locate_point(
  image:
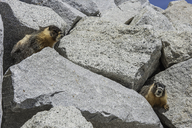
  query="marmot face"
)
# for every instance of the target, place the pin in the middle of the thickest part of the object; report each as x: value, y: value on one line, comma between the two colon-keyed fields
x: 158, y: 89
x: 55, y: 33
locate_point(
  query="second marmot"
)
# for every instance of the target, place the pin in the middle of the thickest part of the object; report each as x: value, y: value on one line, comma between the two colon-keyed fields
x: 35, y: 42
x: 156, y: 95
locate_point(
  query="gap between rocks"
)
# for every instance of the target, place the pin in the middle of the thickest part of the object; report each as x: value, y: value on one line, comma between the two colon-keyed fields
x: 164, y: 120
x: 15, y: 114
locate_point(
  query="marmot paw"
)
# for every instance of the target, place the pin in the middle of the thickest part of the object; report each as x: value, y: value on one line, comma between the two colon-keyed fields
x: 166, y: 107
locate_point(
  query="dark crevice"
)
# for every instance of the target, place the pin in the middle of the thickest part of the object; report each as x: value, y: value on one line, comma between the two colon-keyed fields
x: 56, y: 93
x: 28, y: 1
x: 118, y: 2
x: 13, y: 32
x: 164, y: 120
x: 13, y: 116
x: 119, y: 8
x: 17, y: 119
x: 129, y: 21
x: 61, y: 51
x: 159, y: 69
x: 73, y: 26
x: 100, y: 120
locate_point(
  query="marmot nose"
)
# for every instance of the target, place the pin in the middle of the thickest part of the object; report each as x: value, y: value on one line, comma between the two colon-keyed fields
x: 62, y: 35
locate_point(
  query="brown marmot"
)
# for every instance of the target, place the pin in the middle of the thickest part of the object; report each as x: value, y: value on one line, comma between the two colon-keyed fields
x: 156, y: 95
x: 35, y: 42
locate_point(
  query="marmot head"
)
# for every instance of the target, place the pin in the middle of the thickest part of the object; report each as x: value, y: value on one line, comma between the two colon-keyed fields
x: 55, y: 32
x: 158, y: 89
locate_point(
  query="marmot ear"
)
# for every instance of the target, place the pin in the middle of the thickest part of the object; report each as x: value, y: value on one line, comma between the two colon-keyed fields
x: 51, y: 34
x: 41, y: 28
x: 155, y: 85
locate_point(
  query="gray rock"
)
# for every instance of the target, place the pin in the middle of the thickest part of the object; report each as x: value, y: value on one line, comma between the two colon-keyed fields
x: 21, y: 18
x: 104, y: 5
x: 87, y: 7
x: 158, y: 9
x: 59, y: 82
x: 69, y: 14
x: 143, y: 2
x: 124, y: 13
x: 1, y: 64
x: 121, y: 52
x: 179, y: 13
x: 176, y: 47
x: 149, y: 16
x: 175, y: 2
x: 178, y: 81
x: 58, y: 117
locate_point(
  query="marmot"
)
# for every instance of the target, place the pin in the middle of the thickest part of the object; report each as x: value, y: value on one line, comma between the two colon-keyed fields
x: 156, y: 95
x: 35, y: 42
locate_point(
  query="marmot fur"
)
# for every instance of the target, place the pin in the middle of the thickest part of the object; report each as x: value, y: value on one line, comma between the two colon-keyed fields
x: 156, y: 95
x: 35, y: 42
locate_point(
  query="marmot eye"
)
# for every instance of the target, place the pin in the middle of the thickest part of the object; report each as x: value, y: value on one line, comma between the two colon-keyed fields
x: 55, y: 31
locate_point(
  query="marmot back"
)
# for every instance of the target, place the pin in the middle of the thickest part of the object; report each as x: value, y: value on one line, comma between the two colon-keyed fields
x: 156, y: 95
x: 45, y: 37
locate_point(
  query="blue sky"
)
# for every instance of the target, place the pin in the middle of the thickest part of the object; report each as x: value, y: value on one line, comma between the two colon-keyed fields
x: 163, y: 3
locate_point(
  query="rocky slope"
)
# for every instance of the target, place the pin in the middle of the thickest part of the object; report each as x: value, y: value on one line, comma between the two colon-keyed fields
x: 111, y: 49
x: 102, y: 101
